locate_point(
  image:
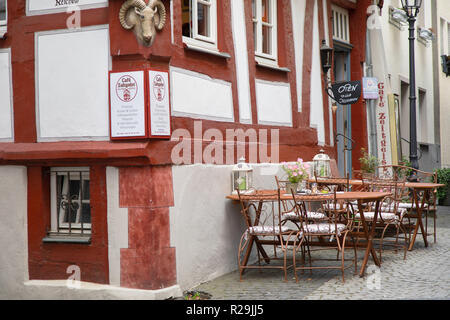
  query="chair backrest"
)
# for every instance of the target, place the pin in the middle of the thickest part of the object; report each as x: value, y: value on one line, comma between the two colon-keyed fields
x: 261, y: 209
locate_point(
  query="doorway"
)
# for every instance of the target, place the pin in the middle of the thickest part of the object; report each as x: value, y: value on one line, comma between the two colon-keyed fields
x: 343, y: 133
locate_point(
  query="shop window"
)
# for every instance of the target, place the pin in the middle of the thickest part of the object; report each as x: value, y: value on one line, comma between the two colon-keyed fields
x: 264, y: 14
x: 70, y: 202
x: 199, y: 23
x: 3, y: 18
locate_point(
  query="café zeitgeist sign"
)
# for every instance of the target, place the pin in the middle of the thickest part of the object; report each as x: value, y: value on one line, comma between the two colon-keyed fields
x: 346, y: 92
x: 139, y: 104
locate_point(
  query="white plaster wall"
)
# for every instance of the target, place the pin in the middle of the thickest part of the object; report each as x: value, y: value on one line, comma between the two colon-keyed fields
x: 298, y: 25
x: 241, y: 56
x: 117, y: 225
x: 273, y: 102
x: 396, y: 44
x: 443, y: 9
x: 6, y: 118
x: 13, y: 231
x: 206, y: 228
x: 72, y: 84
x: 316, y: 108
x: 199, y: 96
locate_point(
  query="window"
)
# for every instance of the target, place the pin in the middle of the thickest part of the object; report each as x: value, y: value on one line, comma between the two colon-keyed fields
x: 70, y: 201
x: 3, y: 18
x: 341, y: 30
x: 199, y: 23
x: 265, y: 30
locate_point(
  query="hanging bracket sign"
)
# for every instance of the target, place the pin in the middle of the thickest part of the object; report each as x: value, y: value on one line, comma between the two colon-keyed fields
x: 346, y: 92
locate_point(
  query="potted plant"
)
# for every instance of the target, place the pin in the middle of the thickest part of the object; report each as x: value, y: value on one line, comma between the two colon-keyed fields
x: 368, y: 163
x: 297, y: 172
x: 443, y: 176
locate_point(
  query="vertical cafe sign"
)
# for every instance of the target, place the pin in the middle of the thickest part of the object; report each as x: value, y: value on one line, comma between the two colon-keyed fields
x: 383, y: 127
x: 127, y: 105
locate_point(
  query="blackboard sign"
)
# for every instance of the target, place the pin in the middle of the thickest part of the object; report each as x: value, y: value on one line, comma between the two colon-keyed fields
x: 346, y: 92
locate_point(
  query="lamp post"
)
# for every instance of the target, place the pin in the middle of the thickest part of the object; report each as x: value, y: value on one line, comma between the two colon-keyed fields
x: 411, y: 8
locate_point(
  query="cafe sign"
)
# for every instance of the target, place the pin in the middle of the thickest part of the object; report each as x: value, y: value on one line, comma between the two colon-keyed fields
x: 346, y: 92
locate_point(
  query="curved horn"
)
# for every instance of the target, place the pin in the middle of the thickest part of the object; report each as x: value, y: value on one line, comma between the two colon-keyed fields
x: 123, y: 11
x: 161, y: 13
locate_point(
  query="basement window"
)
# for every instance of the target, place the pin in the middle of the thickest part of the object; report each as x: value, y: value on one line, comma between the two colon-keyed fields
x: 70, y: 205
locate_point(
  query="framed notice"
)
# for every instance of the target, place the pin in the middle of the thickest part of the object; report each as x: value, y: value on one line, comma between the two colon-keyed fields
x: 127, y: 105
x: 159, y: 98
x: 370, y: 88
x: 35, y: 7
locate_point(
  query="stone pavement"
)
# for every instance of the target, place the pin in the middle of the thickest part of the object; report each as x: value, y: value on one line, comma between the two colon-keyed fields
x: 423, y: 275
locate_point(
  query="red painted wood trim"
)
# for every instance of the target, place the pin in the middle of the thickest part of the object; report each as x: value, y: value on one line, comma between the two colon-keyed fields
x: 48, y: 261
x: 307, y: 64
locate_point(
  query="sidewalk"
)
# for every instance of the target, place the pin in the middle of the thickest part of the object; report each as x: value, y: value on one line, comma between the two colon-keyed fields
x: 423, y: 275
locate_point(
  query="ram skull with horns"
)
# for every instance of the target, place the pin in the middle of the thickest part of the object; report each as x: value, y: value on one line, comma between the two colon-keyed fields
x: 144, y: 18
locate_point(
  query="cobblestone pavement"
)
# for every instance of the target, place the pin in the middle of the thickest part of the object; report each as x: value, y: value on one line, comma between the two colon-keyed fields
x: 423, y: 275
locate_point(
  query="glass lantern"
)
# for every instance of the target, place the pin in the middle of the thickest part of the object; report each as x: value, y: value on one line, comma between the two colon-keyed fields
x: 242, y: 176
x: 322, y: 166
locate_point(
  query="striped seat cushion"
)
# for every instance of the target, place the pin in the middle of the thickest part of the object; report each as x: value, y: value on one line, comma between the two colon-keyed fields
x: 324, y: 228
x: 311, y: 215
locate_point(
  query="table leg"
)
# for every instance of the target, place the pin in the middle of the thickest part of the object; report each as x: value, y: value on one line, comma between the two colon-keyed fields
x: 419, y: 223
x: 369, y: 236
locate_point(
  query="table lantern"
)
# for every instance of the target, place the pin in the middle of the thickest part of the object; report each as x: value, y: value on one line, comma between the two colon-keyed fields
x: 322, y: 165
x: 242, y: 176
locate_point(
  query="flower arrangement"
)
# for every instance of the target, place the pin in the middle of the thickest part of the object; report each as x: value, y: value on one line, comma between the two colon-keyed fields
x: 297, y: 172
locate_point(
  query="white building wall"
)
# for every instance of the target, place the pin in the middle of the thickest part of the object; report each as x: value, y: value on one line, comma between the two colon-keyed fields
x: 72, y: 84
x: 443, y: 39
x: 6, y: 105
x: 396, y: 44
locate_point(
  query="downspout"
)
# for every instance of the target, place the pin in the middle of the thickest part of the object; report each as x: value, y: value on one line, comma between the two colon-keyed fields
x: 371, y: 106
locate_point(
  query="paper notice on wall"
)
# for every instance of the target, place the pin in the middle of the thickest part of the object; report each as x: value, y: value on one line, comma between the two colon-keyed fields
x: 159, y: 103
x: 127, y: 99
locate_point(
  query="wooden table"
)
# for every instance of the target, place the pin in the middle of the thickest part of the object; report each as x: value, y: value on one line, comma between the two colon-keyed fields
x: 426, y: 188
x: 417, y: 188
x: 361, y: 197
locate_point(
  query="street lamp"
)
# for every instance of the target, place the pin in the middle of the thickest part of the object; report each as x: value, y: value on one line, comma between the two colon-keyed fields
x: 411, y: 8
x: 326, y: 58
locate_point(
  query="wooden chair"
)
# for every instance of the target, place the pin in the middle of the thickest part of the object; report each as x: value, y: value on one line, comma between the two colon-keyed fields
x: 262, y: 214
x: 330, y: 233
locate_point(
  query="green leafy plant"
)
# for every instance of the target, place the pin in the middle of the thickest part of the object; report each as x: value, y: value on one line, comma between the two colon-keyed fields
x: 403, y: 172
x: 368, y: 162
x: 443, y: 176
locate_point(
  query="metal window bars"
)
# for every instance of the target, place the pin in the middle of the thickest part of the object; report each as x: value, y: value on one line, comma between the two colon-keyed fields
x: 73, y: 214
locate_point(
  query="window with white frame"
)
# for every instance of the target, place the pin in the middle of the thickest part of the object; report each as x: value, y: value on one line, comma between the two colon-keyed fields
x: 264, y: 14
x: 341, y: 30
x: 3, y: 17
x: 199, y: 23
x: 70, y: 201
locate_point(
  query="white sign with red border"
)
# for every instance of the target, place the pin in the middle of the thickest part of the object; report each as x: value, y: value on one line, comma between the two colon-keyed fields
x: 127, y: 104
x: 159, y: 103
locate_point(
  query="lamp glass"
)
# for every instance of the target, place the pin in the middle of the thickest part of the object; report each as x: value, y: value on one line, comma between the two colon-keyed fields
x: 326, y: 56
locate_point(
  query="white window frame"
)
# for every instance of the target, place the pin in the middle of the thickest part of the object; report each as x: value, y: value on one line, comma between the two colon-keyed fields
x: 197, y: 40
x: 264, y: 58
x: 4, y: 23
x: 341, y: 26
x: 57, y: 219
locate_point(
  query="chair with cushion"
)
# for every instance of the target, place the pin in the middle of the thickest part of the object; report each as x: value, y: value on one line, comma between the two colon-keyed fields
x: 331, y: 234
x: 289, y: 213
x: 390, y: 214
x: 262, y: 214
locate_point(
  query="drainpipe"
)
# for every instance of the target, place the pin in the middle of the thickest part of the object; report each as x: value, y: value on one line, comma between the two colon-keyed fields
x: 371, y: 106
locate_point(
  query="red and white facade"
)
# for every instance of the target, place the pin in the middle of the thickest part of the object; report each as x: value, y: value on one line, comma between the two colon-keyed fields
x: 155, y: 223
